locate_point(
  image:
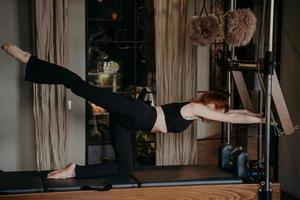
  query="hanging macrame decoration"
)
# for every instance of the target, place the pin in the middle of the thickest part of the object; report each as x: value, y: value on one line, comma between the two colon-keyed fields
x: 240, y: 27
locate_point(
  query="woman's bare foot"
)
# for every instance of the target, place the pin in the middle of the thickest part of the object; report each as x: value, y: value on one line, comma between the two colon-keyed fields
x: 66, y: 172
x: 16, y: 52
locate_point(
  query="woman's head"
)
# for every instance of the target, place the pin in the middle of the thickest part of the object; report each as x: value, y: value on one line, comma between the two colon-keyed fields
x: 216, y: 100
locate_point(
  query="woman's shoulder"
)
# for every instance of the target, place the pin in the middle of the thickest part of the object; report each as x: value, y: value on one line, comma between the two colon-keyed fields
x: 194, y: 104
x: 193, y: 110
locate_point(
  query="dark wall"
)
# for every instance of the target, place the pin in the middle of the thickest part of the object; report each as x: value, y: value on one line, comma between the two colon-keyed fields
x: 289, y: 146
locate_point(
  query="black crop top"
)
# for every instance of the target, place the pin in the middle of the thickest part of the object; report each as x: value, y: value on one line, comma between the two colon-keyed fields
x: 174, y: 120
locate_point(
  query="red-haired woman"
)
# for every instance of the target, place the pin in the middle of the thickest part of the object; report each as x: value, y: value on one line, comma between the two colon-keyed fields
x: 128, y: 114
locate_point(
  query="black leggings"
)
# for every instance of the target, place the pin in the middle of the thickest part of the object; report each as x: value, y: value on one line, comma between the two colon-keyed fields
x: 126, y: 114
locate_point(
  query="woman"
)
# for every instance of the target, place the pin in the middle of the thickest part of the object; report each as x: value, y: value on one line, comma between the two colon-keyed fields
x: 128, y: 114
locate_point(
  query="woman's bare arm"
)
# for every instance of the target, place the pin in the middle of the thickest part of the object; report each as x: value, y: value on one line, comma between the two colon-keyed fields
x: 244, y: 112
x: 200, y: 110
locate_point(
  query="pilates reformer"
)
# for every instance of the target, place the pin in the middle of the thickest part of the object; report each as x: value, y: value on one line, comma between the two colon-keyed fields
x: 175, y: 182
x: 160, y: 182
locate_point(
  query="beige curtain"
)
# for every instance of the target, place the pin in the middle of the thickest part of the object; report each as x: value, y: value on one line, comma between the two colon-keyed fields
x: 175, y: 75
x: 49, y: 106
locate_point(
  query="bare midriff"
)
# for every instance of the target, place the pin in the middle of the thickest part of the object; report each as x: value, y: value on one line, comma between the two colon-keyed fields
x: 160, y: 125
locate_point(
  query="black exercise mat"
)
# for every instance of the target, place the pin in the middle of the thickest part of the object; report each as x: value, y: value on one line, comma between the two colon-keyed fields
x: 20, y: 182
x: 183, y: 175
x: 101, y: 183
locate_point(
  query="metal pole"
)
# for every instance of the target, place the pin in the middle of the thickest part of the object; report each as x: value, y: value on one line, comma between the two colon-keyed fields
x: 228, y: 130
x: 260, y: 54
x: 270, y: 47
x: 260, y: 140
x: 269, y: 71
x: 267, y: 129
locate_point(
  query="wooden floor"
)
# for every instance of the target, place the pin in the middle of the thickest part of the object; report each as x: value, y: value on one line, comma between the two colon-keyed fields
x: 204, y: 192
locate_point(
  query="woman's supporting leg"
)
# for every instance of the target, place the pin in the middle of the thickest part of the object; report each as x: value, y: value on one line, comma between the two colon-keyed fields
x: 96, y: 170
x: 122, y: 144
x: 72, y: 170
x: 121, y: 138
x: 123, y: 165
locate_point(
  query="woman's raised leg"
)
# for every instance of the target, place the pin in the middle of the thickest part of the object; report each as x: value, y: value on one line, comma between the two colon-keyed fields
x: 39, y: 71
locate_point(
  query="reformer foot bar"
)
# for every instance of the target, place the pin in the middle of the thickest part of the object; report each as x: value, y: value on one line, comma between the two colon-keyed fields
x: 158, y: 182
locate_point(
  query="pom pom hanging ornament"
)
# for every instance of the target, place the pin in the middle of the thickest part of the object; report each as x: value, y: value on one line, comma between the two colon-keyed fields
x: 240, y: 27
x: 204, y: 29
